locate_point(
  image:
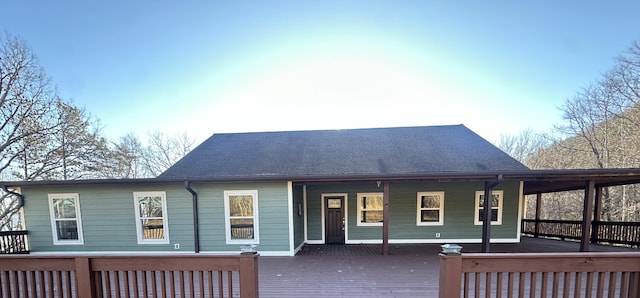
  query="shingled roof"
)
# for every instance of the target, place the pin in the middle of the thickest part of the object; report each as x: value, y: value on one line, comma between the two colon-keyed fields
x: 343, y: 153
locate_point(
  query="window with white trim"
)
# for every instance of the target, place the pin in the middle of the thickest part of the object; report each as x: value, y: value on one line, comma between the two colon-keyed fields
x: 241, y: 216
x: 430, y: 209
x: 66, y: 224
x: 370, y: 207
x: 496, y: 207
x: 151, y: 217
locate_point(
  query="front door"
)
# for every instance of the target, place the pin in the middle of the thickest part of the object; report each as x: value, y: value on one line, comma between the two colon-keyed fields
x: 334, y: 220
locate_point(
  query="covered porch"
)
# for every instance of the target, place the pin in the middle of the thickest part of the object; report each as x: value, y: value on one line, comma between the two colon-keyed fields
x: 532, y: 182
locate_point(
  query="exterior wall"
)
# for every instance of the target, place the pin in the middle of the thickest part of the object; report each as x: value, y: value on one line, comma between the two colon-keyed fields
x: 459, y: 208
x: 108, y: 218
x: 272, y: 211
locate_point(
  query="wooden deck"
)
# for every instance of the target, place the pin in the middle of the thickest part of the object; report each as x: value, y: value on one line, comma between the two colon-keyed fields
x: 361, y: 270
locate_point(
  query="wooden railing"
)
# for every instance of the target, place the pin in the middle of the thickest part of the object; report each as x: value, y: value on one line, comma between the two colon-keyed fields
x: 13, y: 242
x: 603, y: 232
x: 129, y: 276
x: 540, y: 275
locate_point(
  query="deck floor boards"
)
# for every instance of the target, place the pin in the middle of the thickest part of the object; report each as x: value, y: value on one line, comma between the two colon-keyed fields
x: 410, y: 270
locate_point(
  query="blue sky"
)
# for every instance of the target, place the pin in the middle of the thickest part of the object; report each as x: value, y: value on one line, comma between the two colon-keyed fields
x: 205, y: 67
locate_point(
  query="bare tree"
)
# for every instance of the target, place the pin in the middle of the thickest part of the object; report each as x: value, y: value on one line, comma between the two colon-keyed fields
x: 126, y: 158
x: 524, y: 145
x: 10, y: 205
x: 163, y: 151
x: 82, y: 148
x: 600, y: 130
x: 26, y: 100
x: 624, y: 78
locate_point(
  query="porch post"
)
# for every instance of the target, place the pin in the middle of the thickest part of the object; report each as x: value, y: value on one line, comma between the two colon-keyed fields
x: 587, y: 214
x: 538, y: 211
x: 385, y: 219
x: 597, y: 215
x: 486, y: 219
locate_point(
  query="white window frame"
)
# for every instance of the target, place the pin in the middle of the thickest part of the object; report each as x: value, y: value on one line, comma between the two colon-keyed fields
x: 419, y: 221
x: 228, y: 218
x: 476, y: 215
x: 359, y: 215
x: 165, y: 223
x: 78, y: 219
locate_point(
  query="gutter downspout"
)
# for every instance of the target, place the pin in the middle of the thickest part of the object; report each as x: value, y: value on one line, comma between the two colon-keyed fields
x: 486, y: 220
x: 196, y: 229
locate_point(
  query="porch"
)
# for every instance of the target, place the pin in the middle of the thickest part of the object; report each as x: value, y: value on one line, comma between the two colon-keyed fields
x: 410, y: 270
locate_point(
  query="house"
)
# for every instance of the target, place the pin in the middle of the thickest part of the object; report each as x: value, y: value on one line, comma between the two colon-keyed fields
x: 281, y: 190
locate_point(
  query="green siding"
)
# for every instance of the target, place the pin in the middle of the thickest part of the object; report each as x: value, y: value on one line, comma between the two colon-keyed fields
x: 108, y: 217
x: 272, y: 211
x: 459, y: 206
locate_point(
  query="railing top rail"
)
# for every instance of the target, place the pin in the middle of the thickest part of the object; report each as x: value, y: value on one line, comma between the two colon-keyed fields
x: 551, y: 262
x: 553, y: 221
x: 141, y: 255
x: 192, y: 262
x: 559, y: 255
x: 20, y: 232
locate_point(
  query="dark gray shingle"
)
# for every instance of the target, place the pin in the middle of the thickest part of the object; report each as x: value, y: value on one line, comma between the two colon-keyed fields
x: 339, y: 153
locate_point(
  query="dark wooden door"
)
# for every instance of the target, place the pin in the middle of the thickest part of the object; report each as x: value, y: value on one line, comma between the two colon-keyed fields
x: 334, y: 220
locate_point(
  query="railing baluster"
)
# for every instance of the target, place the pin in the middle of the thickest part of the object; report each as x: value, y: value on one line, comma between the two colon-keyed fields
x: 600, y: 287
x: 521, y: 289
x: 230, y: 283
x: 211, y: 282
x: 588, y: 288
x: 510, y: 285
x: 116, y: 283
x: 556, y: 284
x: 136, y: 282
x: 612, y: 284
x: 201, y: 283
x: 220, y: 285
x: 544, y: 285
x: 125, y: 283
x: 181, y: 284
x: 172, y: 283
x: 532, y: 284
x: 163, y: 284
x: 624, y: 283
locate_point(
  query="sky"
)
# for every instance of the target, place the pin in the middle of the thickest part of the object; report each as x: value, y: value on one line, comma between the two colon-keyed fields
x: 205, y: 67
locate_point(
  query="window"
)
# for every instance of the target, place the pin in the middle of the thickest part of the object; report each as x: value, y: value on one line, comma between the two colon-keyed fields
x: 370, y: 209
x: 241, y: 216
x: 430, y: 208
x: 151, y: 217
x: 65, y: 218
x: 496, y: 207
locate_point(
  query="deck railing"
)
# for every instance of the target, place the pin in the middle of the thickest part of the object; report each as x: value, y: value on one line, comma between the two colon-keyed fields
x: 129, y: 276
x: 603, y: 232
x: 13, y: 242
x: 540, y: 275
x: 242, y: 231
